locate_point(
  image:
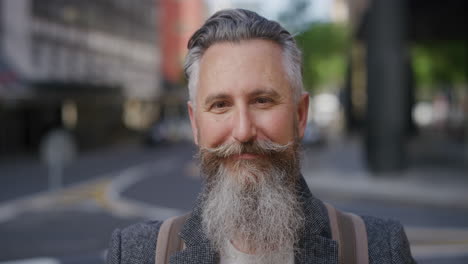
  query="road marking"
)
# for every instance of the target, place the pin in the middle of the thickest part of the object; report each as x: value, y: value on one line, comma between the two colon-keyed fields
x: 439, y: 251
x: 421, y: 235
x: 103, y: 191
x: 66, y: 197
x: 125, y: 207
x: 437, y: 242
x: 33, y: 261
x: 98, y: 258
x: 363, y: 185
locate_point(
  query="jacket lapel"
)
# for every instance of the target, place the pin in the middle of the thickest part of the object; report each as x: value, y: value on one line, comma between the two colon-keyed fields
x: 198, y: 248
x: 315, y: 245
x: 318, y: 250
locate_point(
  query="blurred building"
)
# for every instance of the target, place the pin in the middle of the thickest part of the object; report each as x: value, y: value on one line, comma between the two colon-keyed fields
x: 89, y: 65
x: 177, y: 20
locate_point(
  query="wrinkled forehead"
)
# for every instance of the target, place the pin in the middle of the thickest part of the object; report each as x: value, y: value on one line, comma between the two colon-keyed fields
x: 238, y: 66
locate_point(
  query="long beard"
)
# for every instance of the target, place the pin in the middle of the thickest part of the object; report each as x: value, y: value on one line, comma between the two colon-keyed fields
x: 252, y: 201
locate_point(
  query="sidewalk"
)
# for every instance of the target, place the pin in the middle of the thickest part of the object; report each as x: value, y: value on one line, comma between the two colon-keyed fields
x: 339, y: 170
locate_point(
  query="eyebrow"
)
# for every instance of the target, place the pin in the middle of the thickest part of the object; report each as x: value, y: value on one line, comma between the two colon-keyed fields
x: 265, y: 91
x: 257, y: 92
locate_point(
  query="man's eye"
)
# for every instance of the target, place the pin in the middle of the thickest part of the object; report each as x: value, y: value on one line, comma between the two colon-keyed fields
x: 263, y: 100
x: 219, y: 105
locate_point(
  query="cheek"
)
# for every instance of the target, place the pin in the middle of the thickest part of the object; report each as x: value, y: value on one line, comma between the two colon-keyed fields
x: 278, y: 126
x: 213, y: 131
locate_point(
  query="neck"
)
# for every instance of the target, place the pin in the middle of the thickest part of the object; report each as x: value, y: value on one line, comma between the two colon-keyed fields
x: 243, y: 247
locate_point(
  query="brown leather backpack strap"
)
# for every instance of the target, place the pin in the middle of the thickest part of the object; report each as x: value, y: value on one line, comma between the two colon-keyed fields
x: 349, y: 231
x: 169, y: 240
x: 333, y: 222
x: 347, y: 247
x: 362, y: 249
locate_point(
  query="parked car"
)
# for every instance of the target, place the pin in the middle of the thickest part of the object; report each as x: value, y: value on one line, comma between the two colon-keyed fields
x: 169, y: 131
x: 313, y: 135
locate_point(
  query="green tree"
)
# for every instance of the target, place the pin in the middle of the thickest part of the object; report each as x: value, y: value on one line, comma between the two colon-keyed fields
x: 324, y: 47
x: 440, y: 63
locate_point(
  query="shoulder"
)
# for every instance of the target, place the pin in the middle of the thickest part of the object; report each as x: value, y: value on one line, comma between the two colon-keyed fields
x: 387, y: 241
x: 134, y: 244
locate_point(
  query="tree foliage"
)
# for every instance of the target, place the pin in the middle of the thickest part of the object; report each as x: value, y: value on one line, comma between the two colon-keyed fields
x: 440, y: 63
x: 324, y: 48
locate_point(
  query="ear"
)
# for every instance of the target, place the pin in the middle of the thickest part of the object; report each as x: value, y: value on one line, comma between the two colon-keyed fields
x: 193, y: 122
x: 302, y: 113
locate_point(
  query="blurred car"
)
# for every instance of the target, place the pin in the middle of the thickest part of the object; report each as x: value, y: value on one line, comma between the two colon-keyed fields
x: 313, y: 135
x: 169, y: 131
x: 325, y: 108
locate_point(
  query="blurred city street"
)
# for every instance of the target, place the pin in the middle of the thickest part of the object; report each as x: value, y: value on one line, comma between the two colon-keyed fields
x: 112, y: 188
x: 95, y: 133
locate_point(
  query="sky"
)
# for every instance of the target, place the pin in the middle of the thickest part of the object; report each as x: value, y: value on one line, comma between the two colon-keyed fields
x: 318, y: 9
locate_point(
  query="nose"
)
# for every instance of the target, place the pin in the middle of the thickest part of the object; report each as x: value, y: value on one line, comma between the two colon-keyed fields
x: 244, y: 129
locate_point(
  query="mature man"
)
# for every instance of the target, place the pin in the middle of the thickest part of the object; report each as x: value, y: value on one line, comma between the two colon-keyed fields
x: 248, y: 112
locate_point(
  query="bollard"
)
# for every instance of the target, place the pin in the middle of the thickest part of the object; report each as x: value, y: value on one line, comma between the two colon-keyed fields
x: 57, y: 150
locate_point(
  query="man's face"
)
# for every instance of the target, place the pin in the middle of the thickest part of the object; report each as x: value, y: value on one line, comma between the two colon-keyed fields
x: 247, y: 125
x: 244, y: 95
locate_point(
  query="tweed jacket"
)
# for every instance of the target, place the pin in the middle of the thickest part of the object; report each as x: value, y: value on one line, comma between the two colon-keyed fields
x: 387, y: 240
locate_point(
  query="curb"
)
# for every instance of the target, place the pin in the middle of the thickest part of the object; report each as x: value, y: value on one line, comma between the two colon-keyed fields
x: 390, y: 189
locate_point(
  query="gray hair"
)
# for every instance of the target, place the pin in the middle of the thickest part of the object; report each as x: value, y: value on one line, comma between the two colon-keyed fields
x: 235, y: 25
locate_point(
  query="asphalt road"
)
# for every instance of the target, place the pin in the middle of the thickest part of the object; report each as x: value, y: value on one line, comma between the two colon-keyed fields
x: 113, y: 188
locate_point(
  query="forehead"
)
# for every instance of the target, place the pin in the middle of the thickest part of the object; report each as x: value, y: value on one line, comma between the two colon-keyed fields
x: 239, y: 67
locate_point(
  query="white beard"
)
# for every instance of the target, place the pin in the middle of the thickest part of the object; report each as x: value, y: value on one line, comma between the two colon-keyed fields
x: 256, y: 204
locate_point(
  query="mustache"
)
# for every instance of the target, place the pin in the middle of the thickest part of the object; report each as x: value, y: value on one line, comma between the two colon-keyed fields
x: 258, y: 147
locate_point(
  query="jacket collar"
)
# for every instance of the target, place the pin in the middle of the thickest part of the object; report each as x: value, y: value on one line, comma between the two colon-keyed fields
x: 315, y: 244
x: 198, y: 247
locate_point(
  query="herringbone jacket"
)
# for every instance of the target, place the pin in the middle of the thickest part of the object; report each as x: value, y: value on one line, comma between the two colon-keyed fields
x: 387, y: 240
